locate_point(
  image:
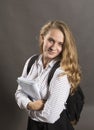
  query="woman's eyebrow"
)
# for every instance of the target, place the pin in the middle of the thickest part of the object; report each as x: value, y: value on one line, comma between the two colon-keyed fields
x: 50, y: 38
x: 61, y: 43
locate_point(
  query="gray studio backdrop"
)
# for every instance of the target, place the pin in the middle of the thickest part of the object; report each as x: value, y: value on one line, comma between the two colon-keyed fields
x: 20, y: 22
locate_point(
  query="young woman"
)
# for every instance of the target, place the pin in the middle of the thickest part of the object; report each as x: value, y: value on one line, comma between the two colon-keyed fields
x: 49, y: 112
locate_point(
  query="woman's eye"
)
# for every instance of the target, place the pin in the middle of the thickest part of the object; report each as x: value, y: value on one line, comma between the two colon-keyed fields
x: 51, y: 40
x: 60, y: 44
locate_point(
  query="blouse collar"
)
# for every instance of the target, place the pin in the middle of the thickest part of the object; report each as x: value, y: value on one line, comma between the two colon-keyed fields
x: 50, y: 64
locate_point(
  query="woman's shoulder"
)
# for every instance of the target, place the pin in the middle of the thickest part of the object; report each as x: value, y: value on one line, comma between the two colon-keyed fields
x: 29, y: 59
x: 60, y: 70
x: 33, y: 57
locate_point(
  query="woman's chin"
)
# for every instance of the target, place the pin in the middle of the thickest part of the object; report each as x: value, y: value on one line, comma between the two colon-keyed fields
x: 51, y: 56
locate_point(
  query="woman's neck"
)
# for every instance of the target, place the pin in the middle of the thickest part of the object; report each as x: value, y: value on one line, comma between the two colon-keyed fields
x: 45, y: 62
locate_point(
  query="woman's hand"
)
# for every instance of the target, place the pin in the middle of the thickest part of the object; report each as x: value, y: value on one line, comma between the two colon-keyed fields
x: 36, y: 105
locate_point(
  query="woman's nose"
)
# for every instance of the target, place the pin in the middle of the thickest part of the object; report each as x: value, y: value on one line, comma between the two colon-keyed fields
x: 54, y: 46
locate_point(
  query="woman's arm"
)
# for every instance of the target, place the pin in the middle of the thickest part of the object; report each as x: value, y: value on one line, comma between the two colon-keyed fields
x: 24, y: 102
x: 58, y: 93
x: 22, y: 99
x: 36, y: 105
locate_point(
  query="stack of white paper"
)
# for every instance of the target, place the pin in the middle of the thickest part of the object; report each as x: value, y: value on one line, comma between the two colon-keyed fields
x: 30, y: 87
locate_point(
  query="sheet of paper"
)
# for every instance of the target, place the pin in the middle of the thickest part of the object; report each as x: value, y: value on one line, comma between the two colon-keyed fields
x: 30, y: 87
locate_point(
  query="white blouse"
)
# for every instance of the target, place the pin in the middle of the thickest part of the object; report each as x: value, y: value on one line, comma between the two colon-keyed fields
x: 56, y: 94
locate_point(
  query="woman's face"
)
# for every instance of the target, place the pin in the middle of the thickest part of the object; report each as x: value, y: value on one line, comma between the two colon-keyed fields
x: 52, y: 44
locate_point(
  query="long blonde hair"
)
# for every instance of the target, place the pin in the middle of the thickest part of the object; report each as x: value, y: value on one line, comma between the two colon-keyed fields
x: 69, y: 57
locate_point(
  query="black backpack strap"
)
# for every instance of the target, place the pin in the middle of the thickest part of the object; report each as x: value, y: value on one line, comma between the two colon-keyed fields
x: 56, y: 65
x: 31, y: 62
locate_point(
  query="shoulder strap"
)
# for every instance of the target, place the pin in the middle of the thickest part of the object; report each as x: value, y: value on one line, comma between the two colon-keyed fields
x: 56, y: 65
x: 31, y: 62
